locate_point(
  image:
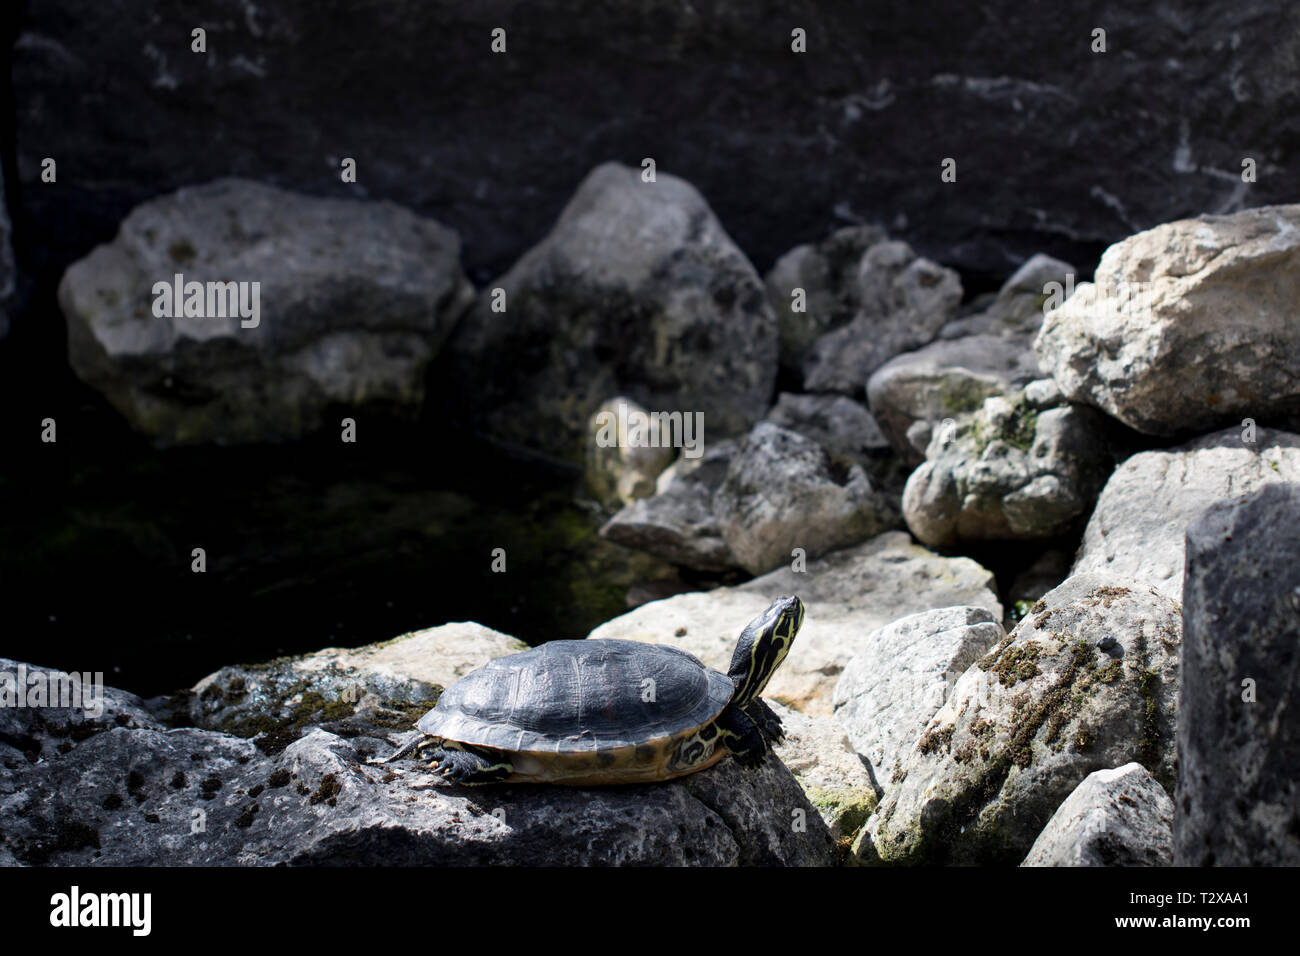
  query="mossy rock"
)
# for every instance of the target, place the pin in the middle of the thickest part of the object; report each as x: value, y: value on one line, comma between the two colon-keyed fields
x: 1088, y: 683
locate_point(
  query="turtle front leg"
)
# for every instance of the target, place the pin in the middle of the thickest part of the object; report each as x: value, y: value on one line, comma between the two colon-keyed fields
x: 468, y: 766
x: 767, y: 720
x: 742, y: 737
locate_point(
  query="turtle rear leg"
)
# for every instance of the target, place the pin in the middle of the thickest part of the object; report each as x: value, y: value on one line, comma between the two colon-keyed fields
x: 767, y: 720
x: 468, y: 766
x: 405, y: 750
x: 742, y: 737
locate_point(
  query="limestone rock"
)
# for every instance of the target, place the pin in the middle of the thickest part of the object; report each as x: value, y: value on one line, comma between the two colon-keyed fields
x: 626, y: 451
x: 126, y: 791
x: 834, y: 777
x: 354, y: 299
x: 677, y: 523
x: 989, y: 352
x: 637, y: 291
x: 376, y: 689
x: 1187, y: 326
x: 1136, y: 530
x: 865, y: 299
x: 1008, y: 471
x: 1087, y: 682
x: 902, y: 676
x: 784, y: 491
x: 1119, y: 817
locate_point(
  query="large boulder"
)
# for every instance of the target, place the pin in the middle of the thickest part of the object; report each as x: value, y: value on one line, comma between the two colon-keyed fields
x: 866, y: 298
x: 1119, y: 817
x: 784, y: 491
x: 677, y: 523
x: 1136, y: 530
x: 904, y: 673
x: 1012, y: 470
x: 637, y: 290
x: 1187, y: 326
x: 1087, y: 682
x: 848, y: 594
x: 126, y: 790
x: 352, y: 299
x: 1238, y: 797
x: 988, y: 352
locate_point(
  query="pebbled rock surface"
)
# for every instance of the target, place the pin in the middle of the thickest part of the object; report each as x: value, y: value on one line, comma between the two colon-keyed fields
x: 1119, y: 817
x: 355, y: 298
x: 134, y: 792
x: 1238, y: 797
x: 1089, y: 681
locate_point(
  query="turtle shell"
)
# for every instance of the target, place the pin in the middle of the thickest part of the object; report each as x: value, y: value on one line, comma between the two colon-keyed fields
x: 576, y: 697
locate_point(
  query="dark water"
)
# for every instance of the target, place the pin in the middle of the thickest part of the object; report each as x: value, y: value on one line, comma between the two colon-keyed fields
x: 310, y: 545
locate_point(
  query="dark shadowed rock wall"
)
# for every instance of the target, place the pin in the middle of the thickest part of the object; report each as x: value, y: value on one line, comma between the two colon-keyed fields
x: 1059, y: 149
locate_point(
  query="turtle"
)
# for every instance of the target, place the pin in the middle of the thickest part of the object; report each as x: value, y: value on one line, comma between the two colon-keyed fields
x: 608, y: 711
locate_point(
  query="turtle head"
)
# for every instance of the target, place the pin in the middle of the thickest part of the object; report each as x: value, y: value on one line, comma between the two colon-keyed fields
x: 763, y: 646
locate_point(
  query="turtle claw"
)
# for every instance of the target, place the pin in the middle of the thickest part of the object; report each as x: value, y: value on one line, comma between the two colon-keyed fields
x: 768, y: 722
x: 750, y: 760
